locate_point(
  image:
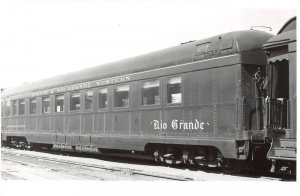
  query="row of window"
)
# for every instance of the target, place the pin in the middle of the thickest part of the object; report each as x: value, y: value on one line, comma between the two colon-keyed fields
x: 150, y: 96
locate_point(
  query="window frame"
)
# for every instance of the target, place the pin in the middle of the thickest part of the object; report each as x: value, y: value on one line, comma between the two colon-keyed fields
x: 12, y: 104
x: 114, y: 96
x: 64, y: 103
x: 181, y: 90
x: 2, y: 108
x: 42, y: 104
x: 36, y: 102
x: 70, y: 102
x: 85, y: 98
x: 5, y: 108
x: 19, y: 104
x: 159, y: 93
x: 104, y: 108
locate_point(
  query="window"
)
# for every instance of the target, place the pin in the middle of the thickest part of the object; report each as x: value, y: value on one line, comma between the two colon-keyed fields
x: 7, y: 108
x: 89, y: 100
x: 46, y: 105
x: 21, y: 107
x: 75, y: 101
x: 59, y: 103
x: 151, y: 93
x: 32, y: 109
x: 201, y: 48
x: 122, y: 96
x: 14, y: 104
x: 103, y: 98
x: 174, y: 90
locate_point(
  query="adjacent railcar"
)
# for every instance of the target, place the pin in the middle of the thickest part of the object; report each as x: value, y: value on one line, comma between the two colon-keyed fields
x: 192, y: 103
x: 280, y: 101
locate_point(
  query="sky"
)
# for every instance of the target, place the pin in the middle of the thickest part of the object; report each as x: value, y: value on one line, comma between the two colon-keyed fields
x: 45, y: 38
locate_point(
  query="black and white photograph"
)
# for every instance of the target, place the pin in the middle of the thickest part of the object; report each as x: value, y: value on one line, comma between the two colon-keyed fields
x: 99, y: 93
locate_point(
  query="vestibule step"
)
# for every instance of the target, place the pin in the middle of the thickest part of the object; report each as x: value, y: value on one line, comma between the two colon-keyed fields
x: 285, y: 152
x: 288, y: 143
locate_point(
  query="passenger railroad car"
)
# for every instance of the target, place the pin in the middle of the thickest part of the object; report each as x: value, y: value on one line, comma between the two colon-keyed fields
x: 281, y: 98
x: 192, y: 103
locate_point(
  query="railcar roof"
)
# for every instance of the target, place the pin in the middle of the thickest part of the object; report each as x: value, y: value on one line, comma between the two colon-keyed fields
x: 184, y: 53
x: 289, y: 25
x: 286, y: 34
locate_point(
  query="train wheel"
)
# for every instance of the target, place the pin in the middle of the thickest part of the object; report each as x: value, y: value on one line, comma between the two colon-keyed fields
x: 232, y: 167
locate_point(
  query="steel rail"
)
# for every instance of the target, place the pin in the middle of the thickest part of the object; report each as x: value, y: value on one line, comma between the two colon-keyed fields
x: 115, y: 169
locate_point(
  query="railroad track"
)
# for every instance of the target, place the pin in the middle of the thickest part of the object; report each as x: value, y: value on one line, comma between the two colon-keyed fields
x: 119, y: 169
x: 128, y: 171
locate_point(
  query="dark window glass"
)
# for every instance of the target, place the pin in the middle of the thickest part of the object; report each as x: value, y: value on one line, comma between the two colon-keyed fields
x: 59, y: 103
x: 151, y: 93
x: 75, y: 101
x: 201, y: 48
x: 174, y: 90
x: 32, y: 106
x: 7, y: 108
x: 89, y: 100
x: 103, y: 98
x: 21, y: 107
x: 14, y: 104
x: 46, y: 105
x: 122, y: 96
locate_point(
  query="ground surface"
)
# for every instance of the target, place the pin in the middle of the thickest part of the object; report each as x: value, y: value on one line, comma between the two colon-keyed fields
x: 30, y: 165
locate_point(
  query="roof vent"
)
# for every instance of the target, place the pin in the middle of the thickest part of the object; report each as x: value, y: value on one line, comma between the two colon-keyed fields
x: 187, y: 42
